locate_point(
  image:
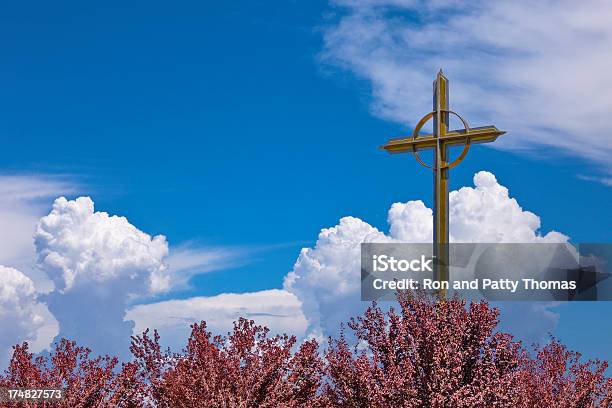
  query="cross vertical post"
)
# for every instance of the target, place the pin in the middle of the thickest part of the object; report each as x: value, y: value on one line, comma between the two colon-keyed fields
x: 440, y: 142
x: 441, y: 175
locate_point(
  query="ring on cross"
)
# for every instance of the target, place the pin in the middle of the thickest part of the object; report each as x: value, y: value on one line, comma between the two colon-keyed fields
x: 425, y: 119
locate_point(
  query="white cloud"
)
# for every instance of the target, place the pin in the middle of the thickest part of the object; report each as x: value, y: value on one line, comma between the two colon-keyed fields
x: 101, y: 263
x: 488, y: 214
x: 98, y: 263
x: 22, y: 317
x: 538, y: 70
x: 279, y: 310
x: 411, y: 222
x: 326, y: 278
x: 76, y: 244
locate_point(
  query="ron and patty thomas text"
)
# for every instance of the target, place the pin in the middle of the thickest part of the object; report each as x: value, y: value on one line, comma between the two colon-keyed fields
x: 384, y: 263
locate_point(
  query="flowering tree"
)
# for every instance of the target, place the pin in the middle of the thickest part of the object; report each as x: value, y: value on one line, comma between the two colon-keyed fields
x: 88, y: 381
x: 433, y: 353
x: 246, y: 369
x: 557, y: 378
x: 427, y: 353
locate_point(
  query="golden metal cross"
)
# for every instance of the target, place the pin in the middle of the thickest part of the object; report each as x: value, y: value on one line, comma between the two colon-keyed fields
x: 440, y: 142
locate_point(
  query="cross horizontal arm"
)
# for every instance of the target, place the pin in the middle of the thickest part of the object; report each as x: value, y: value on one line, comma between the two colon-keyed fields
x: 483, y: 134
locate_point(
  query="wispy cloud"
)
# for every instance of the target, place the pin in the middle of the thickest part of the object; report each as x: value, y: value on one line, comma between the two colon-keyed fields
x: 540, y: 70
x: 23, y: 200
x: 606, y: 181
x: 277, y: 309
x: 33, y: 188
x: 189, y: 259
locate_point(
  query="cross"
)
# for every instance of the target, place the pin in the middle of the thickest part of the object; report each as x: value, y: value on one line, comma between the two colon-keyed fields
x: 440, y: 142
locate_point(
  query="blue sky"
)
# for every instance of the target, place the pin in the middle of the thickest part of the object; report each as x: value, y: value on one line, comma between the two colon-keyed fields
x: 242, y: 126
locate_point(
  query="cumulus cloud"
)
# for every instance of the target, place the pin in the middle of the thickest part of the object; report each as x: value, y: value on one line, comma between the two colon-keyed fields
x: 539, y: 70
x: 487, y: 213
x: 98, y: 263
x: 101, y: 263
x: 484, y: 213
x: 21, y: 315
x: 326, y: 278
x: 76, y: 244
x: 279, y: 310
x: 411, y: 222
